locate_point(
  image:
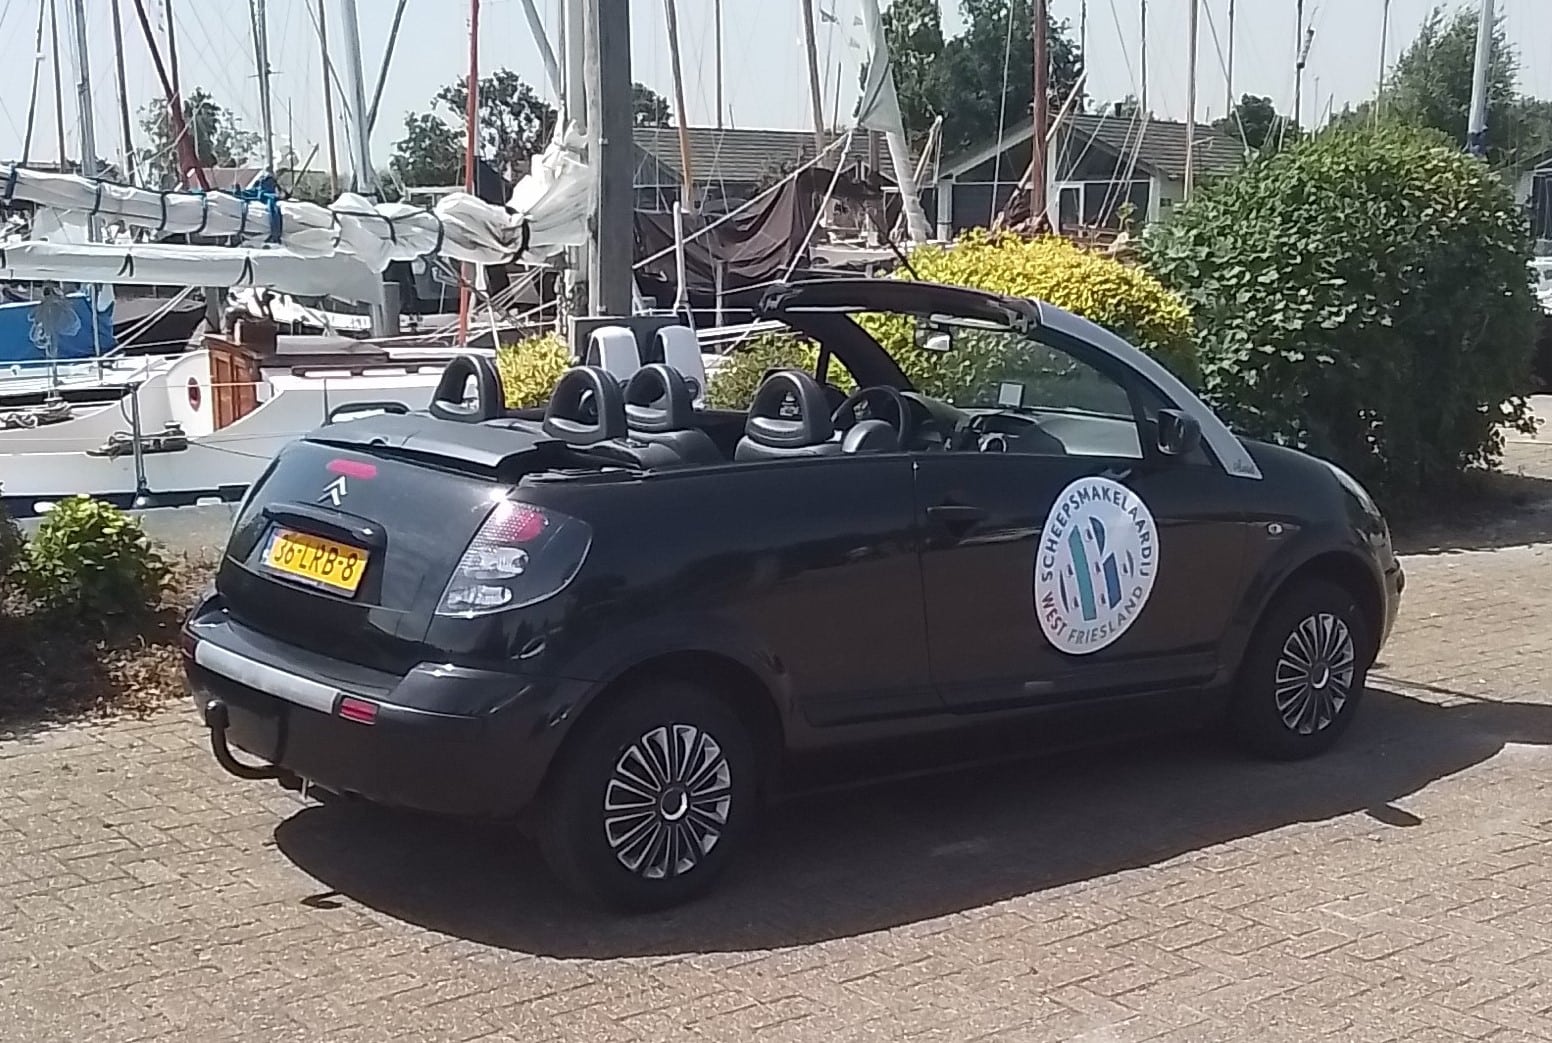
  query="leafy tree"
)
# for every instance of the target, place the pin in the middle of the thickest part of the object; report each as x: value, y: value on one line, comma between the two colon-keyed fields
x: 430, y: 153
x: 1430, y: 86
x: 1257, y: 120
x: 648, y: 107
x: 961, y: 78
x: 219, y: 140
x: 1362, y: 294
x: 514, y: 122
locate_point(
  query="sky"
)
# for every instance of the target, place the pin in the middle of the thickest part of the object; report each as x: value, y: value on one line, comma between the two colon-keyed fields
x: 764, y: 72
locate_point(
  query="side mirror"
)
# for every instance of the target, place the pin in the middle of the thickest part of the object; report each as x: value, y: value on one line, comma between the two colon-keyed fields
x: 932, y: 338
x: 1179, y: 433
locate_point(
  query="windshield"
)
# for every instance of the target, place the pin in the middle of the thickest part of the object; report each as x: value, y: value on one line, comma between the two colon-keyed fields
x: 1007, y: 369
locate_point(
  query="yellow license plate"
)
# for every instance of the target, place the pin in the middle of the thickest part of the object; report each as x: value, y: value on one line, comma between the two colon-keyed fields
x: 321, y: 562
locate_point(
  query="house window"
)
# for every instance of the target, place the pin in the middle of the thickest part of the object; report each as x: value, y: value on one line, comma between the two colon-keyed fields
x: 1098, y: 204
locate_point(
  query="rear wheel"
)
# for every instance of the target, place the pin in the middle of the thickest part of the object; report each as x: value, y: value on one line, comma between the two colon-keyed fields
x: 1304, y: 673
x: 651, y: 799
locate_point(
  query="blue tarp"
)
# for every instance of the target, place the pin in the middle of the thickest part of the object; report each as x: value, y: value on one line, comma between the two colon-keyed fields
x: 16, y: 332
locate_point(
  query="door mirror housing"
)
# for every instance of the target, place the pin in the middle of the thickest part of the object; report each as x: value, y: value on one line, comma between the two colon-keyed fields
x: 1179, y: 433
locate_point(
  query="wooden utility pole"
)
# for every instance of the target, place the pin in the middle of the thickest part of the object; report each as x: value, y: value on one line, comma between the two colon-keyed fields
x: 183, y: 145
x: 125, y: 126
x: 328, y: 98
x: 606, y: 25
x: 1039, y: 23
x: 59, y: 85
x: 815, y: 94
x: 1191, y: 34
x: 470, y: 155
x: 717, y: 18
x: 686, y: 166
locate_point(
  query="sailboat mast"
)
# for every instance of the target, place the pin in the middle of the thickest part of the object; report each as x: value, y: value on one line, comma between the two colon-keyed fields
x: 687, y: 170
x: 717, y: 18
x: 59, y: 84
x: 1228, y: 111
x: 183, y: 145
x: 1038, y: 25
x: 83, y: 93
x: 122, y: 84
x: 1191, y: 35
x: 1379, y: 103
x: 328, y: 98
x: 472, y: 121
x: 32, y: 97
x: 261, y: 58
x: 1298, y: 68
x: 815, y: 95
x: 1143, y: 46
x: 1476, y: 133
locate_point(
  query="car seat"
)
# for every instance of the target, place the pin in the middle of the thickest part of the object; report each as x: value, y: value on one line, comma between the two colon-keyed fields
x: 680, y: 349
x: 614, y: 349
x: 788, y: 417
x: 659, y: 410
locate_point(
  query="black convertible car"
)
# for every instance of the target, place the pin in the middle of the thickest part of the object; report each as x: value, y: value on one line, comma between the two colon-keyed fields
x: 619, y: 618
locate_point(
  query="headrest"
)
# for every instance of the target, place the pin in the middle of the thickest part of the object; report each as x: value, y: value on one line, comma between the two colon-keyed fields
x: 789, y: 411
x: 680, y: 348
x: 614, y: 348
x: 658, y: 399
x: 587, y: 406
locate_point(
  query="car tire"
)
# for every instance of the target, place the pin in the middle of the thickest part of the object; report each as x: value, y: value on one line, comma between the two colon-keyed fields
x: 651, y: 798
x: 1303, y: 676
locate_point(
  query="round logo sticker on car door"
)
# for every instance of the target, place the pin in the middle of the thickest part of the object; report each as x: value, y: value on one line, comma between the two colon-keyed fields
x: 1094, y: 570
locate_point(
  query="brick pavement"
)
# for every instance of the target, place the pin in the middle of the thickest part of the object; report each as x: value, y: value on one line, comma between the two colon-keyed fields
x: 1399, y: 889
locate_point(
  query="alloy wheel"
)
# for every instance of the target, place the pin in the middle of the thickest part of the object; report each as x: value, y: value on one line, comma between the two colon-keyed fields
x: 666, y: 804
x: 1315, y: 670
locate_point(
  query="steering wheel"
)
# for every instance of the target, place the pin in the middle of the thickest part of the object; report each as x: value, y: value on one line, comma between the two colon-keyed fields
x: 447, y: 401
x: 884, y: 403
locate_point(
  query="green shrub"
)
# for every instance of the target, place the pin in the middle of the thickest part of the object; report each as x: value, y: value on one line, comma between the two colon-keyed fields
x: 733, y: 384
x: 90, y: 559
x: 13, y: 546
x: 530, y: 368
x: 1126, y: 300
x: 1362, y: 295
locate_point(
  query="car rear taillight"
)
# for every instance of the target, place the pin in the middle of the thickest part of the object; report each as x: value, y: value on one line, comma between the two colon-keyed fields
x: 521, y: 555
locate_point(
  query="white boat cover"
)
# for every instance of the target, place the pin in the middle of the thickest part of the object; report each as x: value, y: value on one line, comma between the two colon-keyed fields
x: 174, y: 264
x: 547, y: 212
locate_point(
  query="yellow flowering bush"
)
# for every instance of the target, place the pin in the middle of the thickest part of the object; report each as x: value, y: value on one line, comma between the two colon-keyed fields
x: 530, y: 368
x: 1128, y: 301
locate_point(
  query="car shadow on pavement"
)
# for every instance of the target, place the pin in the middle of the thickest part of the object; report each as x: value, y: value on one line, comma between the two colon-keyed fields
x: 844, y: 863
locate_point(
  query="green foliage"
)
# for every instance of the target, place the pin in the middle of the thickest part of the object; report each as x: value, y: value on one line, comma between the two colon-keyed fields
x: 90, y: 559
x: 1364, y: 295
x: 13, y: 548
x: 960, y: 78
x: 429, y: 154
x: 648, y: 107
x: 1256, y: 122
x: 733, y: 384
x: 1125, y: 300
x: 219, y: 140
x: 530, y: 368
x: 1430, y: 86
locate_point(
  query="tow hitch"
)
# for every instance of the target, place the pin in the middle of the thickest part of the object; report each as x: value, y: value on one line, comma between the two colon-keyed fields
x: 216, y: 719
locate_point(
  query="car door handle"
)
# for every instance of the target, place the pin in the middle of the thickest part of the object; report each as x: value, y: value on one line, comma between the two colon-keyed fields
x: 956, y: 516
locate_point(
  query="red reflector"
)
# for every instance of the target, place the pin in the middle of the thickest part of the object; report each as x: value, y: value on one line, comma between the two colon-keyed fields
x: 352, y: 468
x: 189, y: 643
x: 358, y: 710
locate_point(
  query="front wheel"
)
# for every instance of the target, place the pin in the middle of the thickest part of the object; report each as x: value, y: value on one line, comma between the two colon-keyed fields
x: 1304, y: 673
x: 651, y: 799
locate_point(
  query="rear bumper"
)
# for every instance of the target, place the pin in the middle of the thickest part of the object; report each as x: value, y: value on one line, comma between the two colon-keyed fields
x: 444, y: 739
x: 1395, y: 583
